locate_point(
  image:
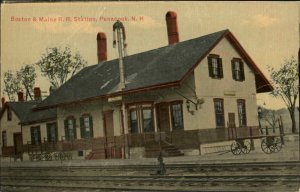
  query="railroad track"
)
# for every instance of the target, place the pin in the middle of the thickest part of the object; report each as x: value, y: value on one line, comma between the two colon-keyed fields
x: 223, y: 166
x: 284, y: 176
x: 153, y: 182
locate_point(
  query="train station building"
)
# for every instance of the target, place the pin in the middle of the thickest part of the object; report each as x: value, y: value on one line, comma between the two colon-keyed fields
x: 175, y: 99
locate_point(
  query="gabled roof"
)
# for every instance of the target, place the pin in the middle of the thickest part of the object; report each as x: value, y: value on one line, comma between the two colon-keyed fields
x: 21, y: 109
x: 26, y: 115
x: 163, y: 67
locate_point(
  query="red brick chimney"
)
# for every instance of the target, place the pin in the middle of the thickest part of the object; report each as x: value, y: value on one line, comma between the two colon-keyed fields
x: 3, y: 101
x: 37, y: 93
x: 20, y: 96
x: 172, y: 28
x: 101, y: 47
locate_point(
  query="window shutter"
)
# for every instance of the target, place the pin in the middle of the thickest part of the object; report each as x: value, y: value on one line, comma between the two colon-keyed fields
x: 75, y: 130
x: 82, y: 130
x: 242, y: 71
x: 66, y: 130
x: 210, y: 68
x: 48, y: 132
x: 91, y: 127
x: 39, y: 134
x: 233, y: 68
x: 32, y: 135
x: 220, y: 66
x: 56, y: 132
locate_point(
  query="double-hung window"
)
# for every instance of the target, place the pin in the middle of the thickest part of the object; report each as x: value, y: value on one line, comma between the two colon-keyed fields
x: 141, y: 118
x: 242, y: 112
x: 86, y: 126
x: 52, y: 134
x: 237, y: 67
x: 215, y: 66
x: 177, y: 115
x: 70, y: 128
x: 35, y: 135
x: 219, y: 112
x: 133, y: 121
x: 147, y: 116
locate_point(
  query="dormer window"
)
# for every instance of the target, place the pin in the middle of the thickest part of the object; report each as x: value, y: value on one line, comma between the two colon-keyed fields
x: 237, y: 67
x: 215, y: 66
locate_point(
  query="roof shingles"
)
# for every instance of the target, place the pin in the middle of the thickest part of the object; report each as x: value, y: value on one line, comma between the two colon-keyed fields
x: 163, y: 65
x: 26, y: 115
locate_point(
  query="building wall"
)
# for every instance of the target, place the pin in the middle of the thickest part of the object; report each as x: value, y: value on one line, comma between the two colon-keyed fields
x: 186, y: 90
x: 95, y: 109
x: 197, y: 86
x: 226, y: 88
x: 27, y: 133
x: 10, y: 127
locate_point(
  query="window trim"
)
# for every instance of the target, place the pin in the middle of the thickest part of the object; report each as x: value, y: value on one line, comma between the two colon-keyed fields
x: 56, y: 131
x: 180, y: 102
x: 241, y: 66
x: 152, y: 119
x: 83, y: 128
x: 219, y: 66
x: 223, y: 112
x: 243, y: 101
x: 130, y: 120
x: 138, y: 107
x: 4, y: 139
x: 66, y: 128
x: 39, y: 135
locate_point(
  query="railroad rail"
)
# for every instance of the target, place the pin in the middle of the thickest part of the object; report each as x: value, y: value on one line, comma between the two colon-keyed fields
x: 167, y: 183
x: 267, y: 176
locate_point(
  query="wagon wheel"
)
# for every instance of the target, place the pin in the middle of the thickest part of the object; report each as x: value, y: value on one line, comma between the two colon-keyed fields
x: 276, y: 145
x: 266, y: 146
x: 236, y: 148
x: 246, y: 147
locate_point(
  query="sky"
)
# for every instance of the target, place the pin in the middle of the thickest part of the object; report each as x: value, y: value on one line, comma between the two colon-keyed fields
x: 268, y: 31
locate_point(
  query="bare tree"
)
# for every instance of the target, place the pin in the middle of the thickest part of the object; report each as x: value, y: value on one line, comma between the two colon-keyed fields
x: 22, y: 79
x: 58, y: 65
x: 11, y: 85
x: 285, y: 81
x: 27, y: 77
x: 270, y: 117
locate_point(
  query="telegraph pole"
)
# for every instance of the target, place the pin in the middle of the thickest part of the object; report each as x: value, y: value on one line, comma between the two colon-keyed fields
x: 119, y: 39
